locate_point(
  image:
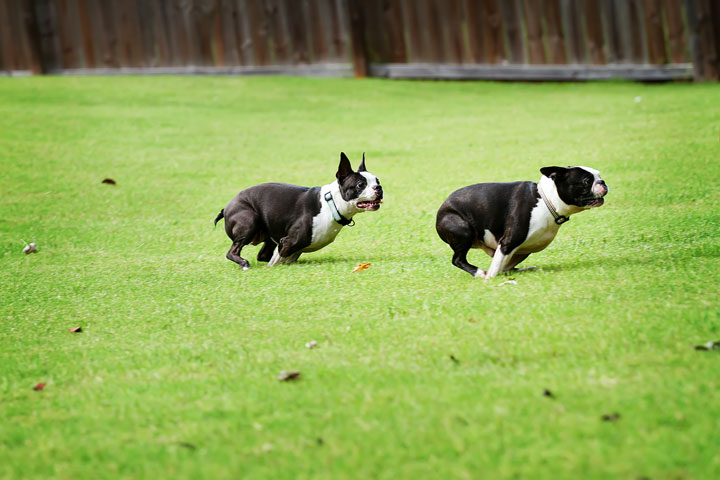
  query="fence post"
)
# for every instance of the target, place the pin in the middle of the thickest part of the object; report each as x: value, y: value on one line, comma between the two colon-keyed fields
x: 357, y: 38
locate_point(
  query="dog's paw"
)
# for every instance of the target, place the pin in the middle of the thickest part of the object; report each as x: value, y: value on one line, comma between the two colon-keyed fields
x: 245, y: 268
x: 481, y: 274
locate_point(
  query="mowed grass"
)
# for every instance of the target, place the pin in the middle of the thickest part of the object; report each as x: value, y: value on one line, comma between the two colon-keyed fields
x: 420, y: 370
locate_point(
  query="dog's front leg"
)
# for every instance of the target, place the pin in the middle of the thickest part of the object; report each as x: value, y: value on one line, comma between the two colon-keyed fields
x: 290, y: 247
x: 498, y: 263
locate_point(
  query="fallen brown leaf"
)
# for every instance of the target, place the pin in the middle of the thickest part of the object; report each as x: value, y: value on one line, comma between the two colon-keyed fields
x: 75, y: 329
x: 361, y: 266
x: 30, y: 248
x: 39, y: 386
x: 287, y: 375
x: 109, y: 181
x: 548, y: 393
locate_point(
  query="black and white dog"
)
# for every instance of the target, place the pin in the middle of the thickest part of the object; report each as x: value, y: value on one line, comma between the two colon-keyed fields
x: 297, y: 219
x: 512, y: 220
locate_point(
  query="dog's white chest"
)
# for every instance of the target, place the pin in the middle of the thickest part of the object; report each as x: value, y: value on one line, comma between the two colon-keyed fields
x: 324, y: 229
x: 541, y: 232
x: 323, y: 232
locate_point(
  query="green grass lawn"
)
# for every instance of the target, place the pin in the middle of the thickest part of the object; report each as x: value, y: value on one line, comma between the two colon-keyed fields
x: 175, y: 372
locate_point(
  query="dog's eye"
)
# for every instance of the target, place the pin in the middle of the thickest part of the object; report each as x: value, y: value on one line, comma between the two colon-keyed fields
x: 360, y: 185
x: 586, y: 181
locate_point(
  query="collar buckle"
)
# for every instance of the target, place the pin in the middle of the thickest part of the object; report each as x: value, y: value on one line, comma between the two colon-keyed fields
x: 559, y: 219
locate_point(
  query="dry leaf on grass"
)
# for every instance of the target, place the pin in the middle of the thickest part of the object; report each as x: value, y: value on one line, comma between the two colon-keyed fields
x: 30, y: 248
x: 548, y: 393
x: 109, y: 181
x: 287, y: 375
x: 361, y: 266
x: 39, y: 386
x: 510, y: 281
x: 75, y: 329
x: 311, y: 344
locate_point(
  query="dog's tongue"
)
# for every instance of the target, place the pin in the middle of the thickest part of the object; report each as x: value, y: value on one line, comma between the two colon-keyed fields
x: 375, y: 203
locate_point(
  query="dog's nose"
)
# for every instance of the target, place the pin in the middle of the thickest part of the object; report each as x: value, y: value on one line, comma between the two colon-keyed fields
x: 602, y: 188
x: 378, y: 192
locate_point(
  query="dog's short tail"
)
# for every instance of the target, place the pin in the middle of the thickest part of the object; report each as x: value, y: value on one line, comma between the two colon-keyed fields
x: 220, y: 215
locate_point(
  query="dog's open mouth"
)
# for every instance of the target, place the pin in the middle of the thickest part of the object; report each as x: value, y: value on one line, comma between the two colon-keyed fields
x: 595, y: 202
x: 371, y: 205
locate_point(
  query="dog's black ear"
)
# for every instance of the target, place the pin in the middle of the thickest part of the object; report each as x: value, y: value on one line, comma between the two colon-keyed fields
x: 552, y: 172
x: 344, y: 169
x: 361, y: 168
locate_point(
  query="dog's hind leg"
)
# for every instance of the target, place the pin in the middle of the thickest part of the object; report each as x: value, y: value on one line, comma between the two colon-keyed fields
x: 266, y: 252
x: 241, y: 227
x: 234, y: 255
x: 455, y: 231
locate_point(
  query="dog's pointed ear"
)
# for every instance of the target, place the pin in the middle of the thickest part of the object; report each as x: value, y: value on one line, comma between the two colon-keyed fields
x: 361, y: 168
x: 553, y: 172
x: 344, y: 169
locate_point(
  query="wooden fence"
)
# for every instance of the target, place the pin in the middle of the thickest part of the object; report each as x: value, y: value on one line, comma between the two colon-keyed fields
x: 497, y: 39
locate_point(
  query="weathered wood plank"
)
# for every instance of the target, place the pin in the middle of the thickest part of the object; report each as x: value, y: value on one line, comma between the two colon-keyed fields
x: 432, y: 30
x: 676, y: 31
x: 575, y: 30
x: 415, y: 31
x: 146, y: 14
x: 217, y: 37
x: 533, y: 24
x: 132, y: 53
x: 30, y: 38
x: 555, y: 35
x: 476, y: 38
x: 338, y: 44
x: 88, y: 42
x: 511, y: 12
x: 655, y: 35
x: 242, y: 32
x: 595, y: 41
x: 493, y: 31
x: 274, y: 11
x: 258, y: 32
x: 68, y: 29
x: 392, y: 22
x: 9, y: 45
x: 376, y: 47
x: 104, y: 32
x: 455, y: 48
x: 228, y: 17
x: 637, y: 32
x: 647, y: 73
x: 708, y: 41
x: 357, y: 38
x: 318, y: 30
x: 611, y: 31
x: 159, y: 39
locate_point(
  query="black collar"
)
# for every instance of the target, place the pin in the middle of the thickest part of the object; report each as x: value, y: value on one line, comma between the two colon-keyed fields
x: 559, y: 219
x: 337, y: 216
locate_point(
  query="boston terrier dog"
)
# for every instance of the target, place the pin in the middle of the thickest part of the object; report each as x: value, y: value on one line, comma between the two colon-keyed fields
x: 512, y: 220
x: 297, y: 219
